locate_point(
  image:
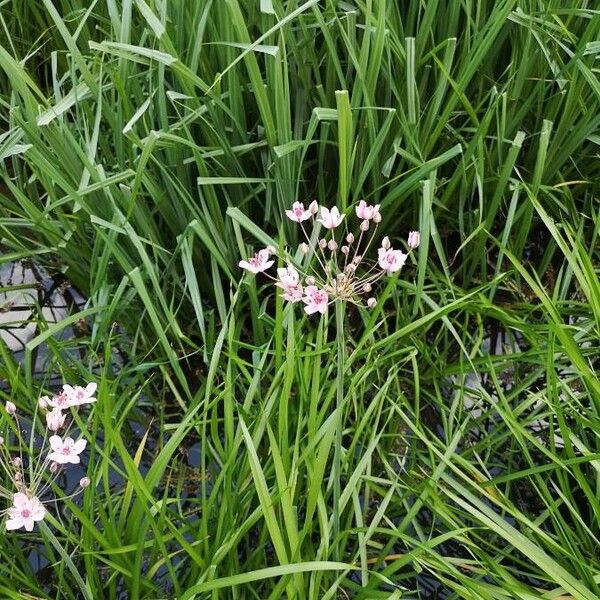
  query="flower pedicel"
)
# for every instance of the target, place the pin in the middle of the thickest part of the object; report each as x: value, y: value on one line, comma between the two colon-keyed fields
x: 339, y: 261
x: 29, y: 485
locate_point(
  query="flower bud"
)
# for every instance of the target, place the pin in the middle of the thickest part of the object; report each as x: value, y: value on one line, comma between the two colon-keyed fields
x: 11, y: 409
x: 371, y: 302
x: 364, y: 225
x: 332, y: 245
x: 377, y: 217
x: 385, y: 243
x: 43, y: 402
x: 310, y: 280
x: 304, y: 247
x: 17, y: 462
x: 18, y: 477
x: 367, y: 288
x: 313, y: 207
x: 323, y: 243
x: 84, y: 482
x: 357, y: 259
x: 53, y: 467
x: 349, y: 238
x: 271, y: 250
x: 414, y: 239
x: 344, y: 250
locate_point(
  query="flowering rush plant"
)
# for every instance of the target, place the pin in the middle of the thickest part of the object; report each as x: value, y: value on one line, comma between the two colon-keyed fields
x: 32, y: 478
x: 341, y: 270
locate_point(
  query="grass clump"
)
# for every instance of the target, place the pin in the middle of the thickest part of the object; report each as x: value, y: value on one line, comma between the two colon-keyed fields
x: 148, y: 146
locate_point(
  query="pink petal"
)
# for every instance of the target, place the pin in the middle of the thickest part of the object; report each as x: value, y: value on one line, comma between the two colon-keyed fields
x: 56, y: 443
x: 20, y: 500
x: 14, y: 523
x: 79, y: 446
x: 38, y: 511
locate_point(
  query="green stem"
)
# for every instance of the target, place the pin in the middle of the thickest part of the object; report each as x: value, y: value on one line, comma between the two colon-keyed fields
x: 337, y: 456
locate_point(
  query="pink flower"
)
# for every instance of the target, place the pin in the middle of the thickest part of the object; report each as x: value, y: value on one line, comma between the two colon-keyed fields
x: 258, y: 263
x: 297, y: 213
x: 84, y: 482
x: 330, y: 219
x: 24, y: 512
x: 76, y: 396
x: 11, y: 409
x: 414, y: 239
x: 371, y: 302
x: 59, y: 401
x: 289, y: 282
x: 65, y: 451
x: 366, y: 212
x: 391, y: 260
x: 55, y: 419
x: 316, y: 300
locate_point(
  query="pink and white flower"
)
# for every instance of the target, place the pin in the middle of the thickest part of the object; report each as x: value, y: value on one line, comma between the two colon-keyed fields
x: 65, y: 451
x: 61, y: 401
x: 414, y: 239
x: 55, y: 419
x: 391, y: 260
x: 330, y: 219
x: 316, y: 300
x: 24, y: 512
x: 11, y: 408
x: 289, y: 282
x: 297, y: 213
x: 258, y: 263
x: 76, y: 396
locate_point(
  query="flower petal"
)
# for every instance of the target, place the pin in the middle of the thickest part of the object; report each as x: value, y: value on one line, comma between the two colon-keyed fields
x: 20, y: 500
x: 14, y: 523
x: 79, y: 446
x: 56, y: 443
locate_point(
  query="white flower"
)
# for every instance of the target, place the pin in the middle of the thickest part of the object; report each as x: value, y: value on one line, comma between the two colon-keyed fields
x: 414, y: 239
x: 258, y: 263
x: 330, y: 219
x: 76, y: 396
x: 55, y: 419
x: 24, y: 512
x: 65, y: 451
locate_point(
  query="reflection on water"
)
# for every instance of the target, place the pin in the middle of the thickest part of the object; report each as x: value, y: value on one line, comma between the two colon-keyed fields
x: 28, y: 297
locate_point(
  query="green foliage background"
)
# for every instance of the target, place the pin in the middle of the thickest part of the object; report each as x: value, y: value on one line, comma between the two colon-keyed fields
x: 148, y: 144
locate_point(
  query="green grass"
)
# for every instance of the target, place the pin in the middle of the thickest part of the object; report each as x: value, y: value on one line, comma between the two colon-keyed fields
x: 148, y: 145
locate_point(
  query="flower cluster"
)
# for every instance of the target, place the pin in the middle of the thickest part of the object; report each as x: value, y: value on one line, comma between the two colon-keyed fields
x: 341, y: 270
x: 30, y: 484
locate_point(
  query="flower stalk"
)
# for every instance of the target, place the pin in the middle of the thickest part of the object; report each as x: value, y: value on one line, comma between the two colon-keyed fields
x: 339, y: 395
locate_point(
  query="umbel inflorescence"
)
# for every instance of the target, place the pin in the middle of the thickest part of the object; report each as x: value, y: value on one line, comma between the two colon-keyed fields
x: 341, y: 269
x: 32, y: 477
